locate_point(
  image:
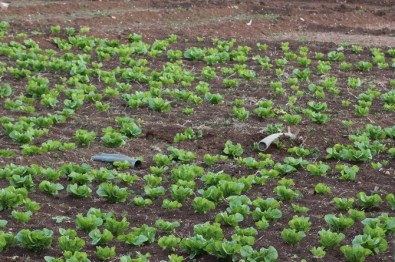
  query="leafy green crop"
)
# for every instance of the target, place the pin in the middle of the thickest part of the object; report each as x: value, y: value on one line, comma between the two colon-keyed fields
x: 34, y: 240
x: 338, y: 223
x: 100, y: 238
x: 6, y: 240
x: 50, y: 188
x: 79, y: 191
x: 88, y: 223
x: 139, y: 236
x: 375, y: 244
x: 112, y: 193
x: 22, y: 217
x: 292, y: 236
x: 391, y: 200
x: 343, y: 203
x: 329, y: 239
x: 300, y: 223
x: 202, y: 205
x: 169, y: 242
x: 116, y: 227
x: 111, y: 138
x: 11, y: 197
x: 84, y: 137
x: 319, y: 169
x: 68, y: 241
x: 233, y: 150
x: 105, y: 253
x: 318, y: 252
x: 368, y: 202
x: 355, y: 253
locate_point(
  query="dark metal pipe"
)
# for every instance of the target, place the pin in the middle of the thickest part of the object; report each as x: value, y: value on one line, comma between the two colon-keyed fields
x: 104, y: 157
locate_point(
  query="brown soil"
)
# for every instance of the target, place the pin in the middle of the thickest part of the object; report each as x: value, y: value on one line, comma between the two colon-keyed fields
x: 321, y: 25
x: 327, y: 21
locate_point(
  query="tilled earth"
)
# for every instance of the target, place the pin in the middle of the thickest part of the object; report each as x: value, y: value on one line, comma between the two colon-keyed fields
x: 320, y: 25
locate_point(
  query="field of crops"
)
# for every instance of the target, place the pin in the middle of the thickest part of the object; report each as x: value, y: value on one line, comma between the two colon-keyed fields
x: 192, y: 111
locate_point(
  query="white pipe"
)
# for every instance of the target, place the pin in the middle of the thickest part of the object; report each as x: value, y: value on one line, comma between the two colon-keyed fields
x: 4, y: 5
x: 267, y: 141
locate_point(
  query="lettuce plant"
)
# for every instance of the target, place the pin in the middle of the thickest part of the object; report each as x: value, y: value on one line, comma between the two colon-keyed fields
x: 139, y: 236
x: 112, y: 138
x: 105, y: 253
x: 329, y: 239
x: 122, y: 165
x: 35, y: 240
x: 5, y: 90
x: 357, y: 215
x: 181, y: 155
x: 269, y: 254
x: 368, y: 202
x: 166, y: 226
x: 223, y: 249
x: 100, y: 238
x: 152, y: 180
x: 300, y: 223
x: 202, y: 205
x: 6, y: 240
x: 25, y: 181
x: 112, y: 193
x: 116, y: 227
x: 375, y: 244
x: 343, y: 203
x: 87, y: 223
x: 229, y: 219
x: 355, y: 253
x: 347, y: 173
x: 299, y: 151
x: 286, y: 194
x: 11, y: 197
x: 79, y: 191
x: 180, y: 193
x: 141, y: 202
x: 338, y: 223
x: 68, y: 241
x: 212, y: 193
x: 318, y: 252
x: 169, y: 242
x: 292, y: 236
x: 230, y: 82
x: 323, y: 189
x: 154, y: 192
x: 50, y: 188
x: 80, y: 178
x: 22, y: 217
x: 84, y: 137
x: 169, y: 204
x: 193, y: 245
x: 318, y: 169
x: 214, y: 98
x: 233, y: 150
x: 230, y: 188
x: 265, y: 109
x: 194, y: 53
x: 391, y: 200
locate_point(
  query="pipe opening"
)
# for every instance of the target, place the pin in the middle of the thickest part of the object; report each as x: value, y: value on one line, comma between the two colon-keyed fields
x: 262, y: 146
x: 137, y: 164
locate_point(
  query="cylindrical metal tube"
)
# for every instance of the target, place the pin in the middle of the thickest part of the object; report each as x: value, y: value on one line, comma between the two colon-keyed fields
x: 104, y: 157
